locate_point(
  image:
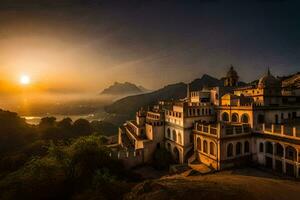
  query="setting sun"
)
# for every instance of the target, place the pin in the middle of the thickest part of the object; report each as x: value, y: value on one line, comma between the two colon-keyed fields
x: 24, y: 80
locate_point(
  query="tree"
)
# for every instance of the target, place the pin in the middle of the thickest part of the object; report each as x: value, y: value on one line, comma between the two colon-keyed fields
x: 47, y: 122
x: 82, y: 127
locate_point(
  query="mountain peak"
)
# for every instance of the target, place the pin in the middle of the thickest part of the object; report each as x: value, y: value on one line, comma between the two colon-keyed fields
x: 125, y: 88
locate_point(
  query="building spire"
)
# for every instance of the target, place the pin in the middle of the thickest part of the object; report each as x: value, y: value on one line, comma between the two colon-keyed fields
x: 269, y: 73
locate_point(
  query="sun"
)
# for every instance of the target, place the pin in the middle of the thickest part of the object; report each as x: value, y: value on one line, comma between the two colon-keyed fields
x: 24, y: 80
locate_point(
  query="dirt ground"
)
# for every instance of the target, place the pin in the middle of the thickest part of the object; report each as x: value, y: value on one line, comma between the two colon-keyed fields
x: 239, y: 184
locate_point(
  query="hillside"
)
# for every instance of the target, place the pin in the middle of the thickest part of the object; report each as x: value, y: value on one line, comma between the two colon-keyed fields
x: 232, y: 185
x: 123, y: 89
x: 131, y: 104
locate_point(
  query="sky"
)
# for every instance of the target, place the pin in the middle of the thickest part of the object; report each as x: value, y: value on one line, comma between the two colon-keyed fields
x: 83, y: 46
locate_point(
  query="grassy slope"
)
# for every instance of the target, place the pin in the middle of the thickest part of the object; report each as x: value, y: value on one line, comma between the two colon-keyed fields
x: 231, y: 185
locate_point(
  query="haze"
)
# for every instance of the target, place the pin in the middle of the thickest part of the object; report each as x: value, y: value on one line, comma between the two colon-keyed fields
x: 77, y: 48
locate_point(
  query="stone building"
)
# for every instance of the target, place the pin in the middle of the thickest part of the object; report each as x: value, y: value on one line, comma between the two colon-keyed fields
x: 222, y: 127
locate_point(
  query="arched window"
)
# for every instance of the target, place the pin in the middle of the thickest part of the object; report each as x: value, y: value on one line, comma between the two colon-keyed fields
x: 174, y: 135
x: 198, y: 144
x: 209, y: 111
x: 245, y: 118
x: 168, y: 133
x: 235, y: 117
x: 212, y: 148
x: 279, y: 150
x: 269, y: 147
x: 225, y: 117
x: 238, y: 148
x: 246, y: 147
x: 205, y: 146
x: 290, y: 153
x: 230, y: 150
x: 202, y: 111
x: 261, y: 147
x: 179, y: 138
x: 276, y: 119
x: 198, y: 111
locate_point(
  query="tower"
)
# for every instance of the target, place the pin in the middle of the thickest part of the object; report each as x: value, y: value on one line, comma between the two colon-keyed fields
x: 231, y: 78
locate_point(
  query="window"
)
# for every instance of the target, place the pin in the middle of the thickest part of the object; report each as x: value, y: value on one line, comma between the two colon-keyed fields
x: 291, y: 153
x: 230, y: 150
x: 235, y: 117
x: 198, y: 144
x: 168, y: 133
x: 174, y: 135
x: 225, y: 117
x: 198, y: 111
x: 179, y: 138
x: 212, y: 148
x: 238, y: 148
x: 205, y: 146
x: 261, y: 147
x: 279, y: 150
x: 269, y: 147
x: 246, y: 147
x: 245, y: 118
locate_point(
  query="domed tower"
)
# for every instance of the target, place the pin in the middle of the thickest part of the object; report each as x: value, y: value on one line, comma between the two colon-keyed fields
x: 271, y: 89
x: 231, y: 78
x: 269, y: 82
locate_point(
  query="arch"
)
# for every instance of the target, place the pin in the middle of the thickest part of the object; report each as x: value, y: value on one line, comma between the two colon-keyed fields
x: 290, y: 153
x: 238, y: 148
x: 235, y: 117
x: 198, y: 111
x: 230, y: 150
x: 174, y: 135
x: 279, y: 150
x: 245, y: 118
x: 212, y: 148
x: 179, y: 138
x: 176, y: 154
x: 246, y: 147
x: 269, y: 147
x: 198, y: 144
x: 205, y: 146
x: 168, y: 133
x: 225, y: 117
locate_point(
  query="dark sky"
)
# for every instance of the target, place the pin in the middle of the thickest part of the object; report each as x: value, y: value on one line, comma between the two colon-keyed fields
x: 93, y: 43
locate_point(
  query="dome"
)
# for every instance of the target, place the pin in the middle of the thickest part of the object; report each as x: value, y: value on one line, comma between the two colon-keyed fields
x: 268, y: 81
x: 232, y: 72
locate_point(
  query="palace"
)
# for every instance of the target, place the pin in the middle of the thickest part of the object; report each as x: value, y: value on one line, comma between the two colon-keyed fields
x: 222, y: 127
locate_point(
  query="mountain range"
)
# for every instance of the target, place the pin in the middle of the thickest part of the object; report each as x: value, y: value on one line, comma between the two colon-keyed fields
x: 129, y: 105
x: 125, y: 88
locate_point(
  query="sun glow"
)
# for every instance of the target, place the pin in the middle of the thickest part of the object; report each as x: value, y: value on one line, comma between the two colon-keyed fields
x: 24, y: 80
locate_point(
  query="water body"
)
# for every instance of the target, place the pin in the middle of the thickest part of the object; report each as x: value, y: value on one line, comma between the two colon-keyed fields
x: 34, y: 120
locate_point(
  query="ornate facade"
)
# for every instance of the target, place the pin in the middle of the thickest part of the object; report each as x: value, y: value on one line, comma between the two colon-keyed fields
x: 223, y: 127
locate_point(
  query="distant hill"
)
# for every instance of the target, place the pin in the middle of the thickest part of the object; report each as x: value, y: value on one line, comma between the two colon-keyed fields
x: 123, y: 89
x: 129, y: 105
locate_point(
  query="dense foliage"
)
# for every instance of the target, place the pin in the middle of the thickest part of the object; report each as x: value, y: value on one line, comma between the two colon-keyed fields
x: 57, y: 160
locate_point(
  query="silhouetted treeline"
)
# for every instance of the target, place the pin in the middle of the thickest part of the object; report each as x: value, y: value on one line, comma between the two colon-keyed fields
x: 58, y: 160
